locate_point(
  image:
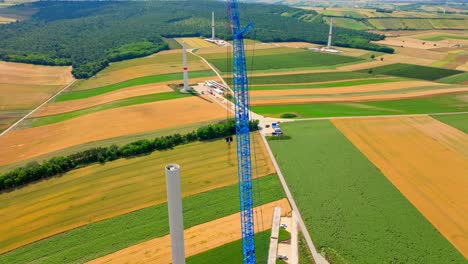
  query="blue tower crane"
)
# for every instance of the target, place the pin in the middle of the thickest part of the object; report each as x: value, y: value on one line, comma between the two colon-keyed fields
x: 241, y: 102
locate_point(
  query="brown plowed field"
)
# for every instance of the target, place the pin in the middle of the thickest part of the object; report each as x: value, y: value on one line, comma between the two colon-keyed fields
x: 363, y: 98
x: 426, y: 160
x: 343, y: 90
x: 198, y: 239
x: 73, y: 105
x: 27, y: 143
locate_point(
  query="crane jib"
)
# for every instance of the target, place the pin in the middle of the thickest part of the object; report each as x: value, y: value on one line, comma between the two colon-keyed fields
x: 241, y: 102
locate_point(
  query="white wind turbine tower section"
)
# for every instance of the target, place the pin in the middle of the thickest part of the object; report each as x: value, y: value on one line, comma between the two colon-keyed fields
x: 184, y: 60
x: 212, y: 26
x: 174, y: 204
x: 330, y: 34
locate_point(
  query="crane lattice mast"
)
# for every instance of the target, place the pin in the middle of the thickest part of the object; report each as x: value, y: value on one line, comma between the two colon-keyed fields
x: 241, y: 102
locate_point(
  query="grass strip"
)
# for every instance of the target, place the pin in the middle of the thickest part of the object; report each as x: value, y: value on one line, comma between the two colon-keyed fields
x: 307, y: 77
x: 75, y: 95
x: 349, y: 206
x: 458, y: 121
x: 305, y: 257
x: 231, y: 253
x: 101, y: 238
x: 47, y: 120
x: 438, y: 104
x: 327, y: 85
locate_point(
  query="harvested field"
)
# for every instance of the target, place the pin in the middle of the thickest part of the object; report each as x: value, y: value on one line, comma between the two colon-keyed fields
x: 363, y: 98
x: 420, y: 53
x: 73, y: 105
x: 426, y: 160
x: 121, y: 140
x: 24, y: 87
x: 295, y: 45
x: 409, y: 42
x: 195, y: 43
x: 27, y: 143
x: 18, y: 73
x: 24, y: 96
x: 104, y: 191
x: 160, y: 63
x: 197, y: 239
x: 342, y: 90
x: 137, y: 100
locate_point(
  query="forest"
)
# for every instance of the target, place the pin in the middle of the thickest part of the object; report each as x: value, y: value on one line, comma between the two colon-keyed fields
x: 34, y: 171
x: 89, y: 35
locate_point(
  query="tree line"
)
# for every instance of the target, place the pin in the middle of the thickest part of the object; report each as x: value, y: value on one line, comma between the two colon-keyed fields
x: 59, y: 165
x: 90, y: 34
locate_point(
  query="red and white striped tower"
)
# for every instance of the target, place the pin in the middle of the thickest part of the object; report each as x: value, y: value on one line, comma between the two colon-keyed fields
x: 184, y: 59
x: 330, y: 34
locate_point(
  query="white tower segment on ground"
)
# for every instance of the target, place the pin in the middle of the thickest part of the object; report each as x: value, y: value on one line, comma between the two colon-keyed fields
x: 184, y: 60
x: 330, y: 34
x: 174, y: 204
x: 212, y: 26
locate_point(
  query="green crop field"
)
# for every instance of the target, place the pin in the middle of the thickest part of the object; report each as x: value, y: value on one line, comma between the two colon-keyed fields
x: 47, y: 120
x: 101, y: 238
x: 75, y: 95
x: 231, y: 253
x: 298, y: 59
x: 326, y: 85
x: 458, y: 121
x: 457, y: 78
x: 307, y: 78
x: 439, y: 104
x: 349, y: 206
x: 413, y: 71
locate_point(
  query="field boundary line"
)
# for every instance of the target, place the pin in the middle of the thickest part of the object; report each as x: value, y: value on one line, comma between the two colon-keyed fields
x: 37, y: 108
x: 317, y: 258
x: 376, y: 116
